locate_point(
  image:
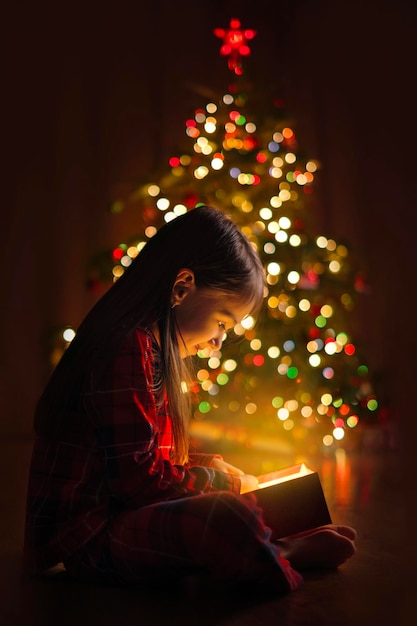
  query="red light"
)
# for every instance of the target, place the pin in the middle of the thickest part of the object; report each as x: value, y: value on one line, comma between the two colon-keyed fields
x: 174, y: 162
x: 258, y: 360
x: 117, y: 254
x: 350, y: 349
x: 234, y: 44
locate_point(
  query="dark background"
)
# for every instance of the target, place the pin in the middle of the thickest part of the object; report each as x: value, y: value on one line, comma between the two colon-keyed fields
x: 96, y: 95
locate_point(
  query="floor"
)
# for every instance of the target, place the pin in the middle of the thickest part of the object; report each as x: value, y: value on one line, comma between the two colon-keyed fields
x: 364, y: 489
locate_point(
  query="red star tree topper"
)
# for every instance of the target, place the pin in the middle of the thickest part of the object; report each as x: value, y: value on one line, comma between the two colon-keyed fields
x: 235, y: 44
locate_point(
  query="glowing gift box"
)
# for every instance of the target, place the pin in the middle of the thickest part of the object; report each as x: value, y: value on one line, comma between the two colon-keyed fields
x: 292, y: 500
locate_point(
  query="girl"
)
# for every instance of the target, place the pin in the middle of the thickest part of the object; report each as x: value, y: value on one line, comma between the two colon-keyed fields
x: 114, y: 494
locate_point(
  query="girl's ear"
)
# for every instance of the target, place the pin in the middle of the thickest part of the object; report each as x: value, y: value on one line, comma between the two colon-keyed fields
x: 183, y: 285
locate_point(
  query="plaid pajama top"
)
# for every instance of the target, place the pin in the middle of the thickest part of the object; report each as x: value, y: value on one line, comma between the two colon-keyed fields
x: 113, y: 455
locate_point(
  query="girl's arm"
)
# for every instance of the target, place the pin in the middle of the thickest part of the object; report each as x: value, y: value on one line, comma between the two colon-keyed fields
x: 122, y: 407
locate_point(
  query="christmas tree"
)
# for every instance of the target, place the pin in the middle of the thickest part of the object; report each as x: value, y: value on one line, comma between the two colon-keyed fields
x: 296, y: 372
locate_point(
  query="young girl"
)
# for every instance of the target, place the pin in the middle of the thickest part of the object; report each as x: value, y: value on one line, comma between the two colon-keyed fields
x: 114, y: 494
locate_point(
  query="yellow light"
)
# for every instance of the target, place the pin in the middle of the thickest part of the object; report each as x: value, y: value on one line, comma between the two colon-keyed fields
x: 284, y: 195
x: 326, y: 399
x: 338, y: 433
x: 326, y: 310
x: 150, y: 231
x: 304, y: 305
x: 293, y: 277
x: 275, y: 172
x: 213, y: 362
x: 153, y: 190
x: 291, y: 311
x: 201, y: 172
x: 68, y: 334
x: 311, y: 166
x: 331, y: 348
x: 265, y: 213
x: 132, y: 251
x: 275, y: 202
x: 327, y: 440
x: 217, y: 163
x: 180, y: 209
x: 334, y: 267
x: 291, y: 405
x: 273, y: 227
x: 117, y: 271
x: 251, y: 408
x: 248, y: 322
x: 284, y: 222
x: 274, y: 352
x: 273, y: 268
x: 283, y: 414
x: 281, y: 236
x: 314, y: 360
x: 202, y: 374
x: 230, y: 365
x: 290, y: 157
x: 162, y: 204
x: 256, y: 344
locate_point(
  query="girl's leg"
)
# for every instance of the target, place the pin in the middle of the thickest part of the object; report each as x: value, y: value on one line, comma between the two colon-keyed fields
x: 220, y: 533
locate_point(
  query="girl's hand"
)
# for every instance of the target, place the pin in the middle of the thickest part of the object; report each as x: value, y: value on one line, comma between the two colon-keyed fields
x: 222, y: 466
x: 248, y: 483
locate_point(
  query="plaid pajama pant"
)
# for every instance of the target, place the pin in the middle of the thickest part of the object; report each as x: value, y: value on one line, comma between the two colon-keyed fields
x: 221, y: 534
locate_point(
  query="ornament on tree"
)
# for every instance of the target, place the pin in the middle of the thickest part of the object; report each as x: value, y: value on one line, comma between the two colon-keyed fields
x: 235, y: 44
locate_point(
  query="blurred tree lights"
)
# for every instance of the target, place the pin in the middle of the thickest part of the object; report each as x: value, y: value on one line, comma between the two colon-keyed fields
x: 296, y: 373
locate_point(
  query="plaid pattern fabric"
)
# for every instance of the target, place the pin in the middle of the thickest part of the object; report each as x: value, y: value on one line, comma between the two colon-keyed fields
x: 106, y: 499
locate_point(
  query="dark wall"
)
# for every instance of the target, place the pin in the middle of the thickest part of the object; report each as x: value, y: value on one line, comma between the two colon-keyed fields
x: 96, y: 96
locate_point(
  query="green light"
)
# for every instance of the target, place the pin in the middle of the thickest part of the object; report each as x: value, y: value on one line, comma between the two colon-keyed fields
x: 292, y: 372
x: 372, y: 404
x: 320, y: 321
x: 277, y: 402
x: 204, y: 407
x: 241, y: 120
x: 362, y: 370
x: 222, y: 379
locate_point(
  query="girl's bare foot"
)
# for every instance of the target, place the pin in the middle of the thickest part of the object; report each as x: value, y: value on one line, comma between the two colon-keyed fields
x: 325, y: 547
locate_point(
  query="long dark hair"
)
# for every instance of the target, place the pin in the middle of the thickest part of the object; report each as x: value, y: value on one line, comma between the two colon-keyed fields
x: 204, y: 240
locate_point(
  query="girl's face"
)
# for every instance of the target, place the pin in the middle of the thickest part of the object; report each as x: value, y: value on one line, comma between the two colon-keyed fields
x: 203, y: 317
